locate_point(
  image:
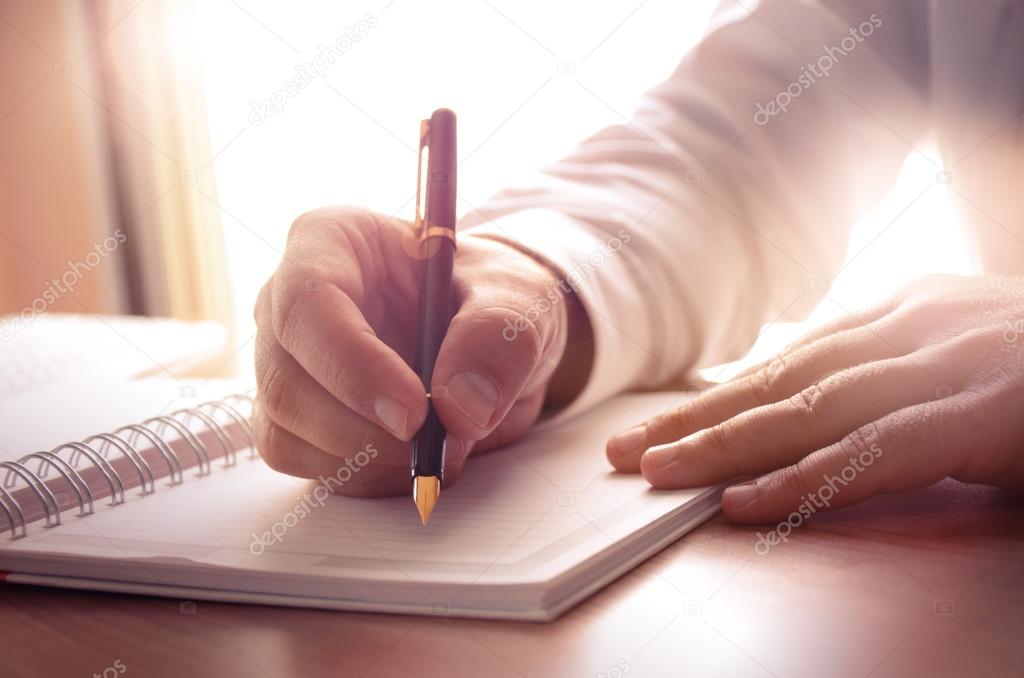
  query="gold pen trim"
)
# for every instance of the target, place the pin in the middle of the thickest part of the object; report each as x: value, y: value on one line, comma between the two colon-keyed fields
x: 424, y: 229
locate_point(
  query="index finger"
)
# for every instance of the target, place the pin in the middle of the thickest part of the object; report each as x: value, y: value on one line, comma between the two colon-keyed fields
x: 782, y: 377
x: 766, y: 438
x: 334, y: 262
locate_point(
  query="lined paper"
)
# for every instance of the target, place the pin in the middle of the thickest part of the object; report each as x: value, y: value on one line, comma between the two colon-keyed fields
x: 523, y: 513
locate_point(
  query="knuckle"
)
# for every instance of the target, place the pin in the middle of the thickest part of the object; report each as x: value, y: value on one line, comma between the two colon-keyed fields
x: 319, y: 215
x: 811, y: 405
x: 721, y: 439
x: 261, y: 299
x: 703, y: 408
x: 926, y: 313
x: 718, y: 438
x: 993, y: 457
x: 734, y: 447
x: 341, y: 225
x: 676, y: 421
x: 275, y: 391
x: 768, y: 383
x: 865, y: 439
x: 688, y: 417
x: 344, y: 379
x: 303, y: 222
x: 989, y: 358
x: 271, y: 446
x: 526, y: 346
x: 931, y: 301
x: 800, y: 478
x: 288, y: 311
x: 973, y: 343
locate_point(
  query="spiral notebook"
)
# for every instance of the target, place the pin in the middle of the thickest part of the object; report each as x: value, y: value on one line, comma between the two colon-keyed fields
x: 526, y: 533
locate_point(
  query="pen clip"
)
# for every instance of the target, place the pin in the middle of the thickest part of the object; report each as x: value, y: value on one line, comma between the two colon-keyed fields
x: 423, y: 229
x: 424, y: 134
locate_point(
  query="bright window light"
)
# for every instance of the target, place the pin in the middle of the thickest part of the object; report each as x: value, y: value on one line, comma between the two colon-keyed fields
x: 528, y: 80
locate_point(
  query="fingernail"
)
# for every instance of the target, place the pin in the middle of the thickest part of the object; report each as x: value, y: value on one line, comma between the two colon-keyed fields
x: 392, y: 414
x: 661, y: 457
x: 739, y: 496
x: 630, y: 441
x: 475, y: 395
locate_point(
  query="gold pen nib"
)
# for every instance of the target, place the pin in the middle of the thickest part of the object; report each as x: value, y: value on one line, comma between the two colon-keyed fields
x: 425, y: 491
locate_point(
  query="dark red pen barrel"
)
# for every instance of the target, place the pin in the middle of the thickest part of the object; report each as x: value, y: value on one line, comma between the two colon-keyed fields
x: 435, y: 305
x: 441, y: 164
x: 428, y: 444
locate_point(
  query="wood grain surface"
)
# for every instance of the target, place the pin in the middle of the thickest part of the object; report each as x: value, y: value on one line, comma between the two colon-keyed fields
x: 924, y: 584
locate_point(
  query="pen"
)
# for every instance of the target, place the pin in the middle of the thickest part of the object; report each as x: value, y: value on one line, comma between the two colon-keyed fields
x: 436, y: 231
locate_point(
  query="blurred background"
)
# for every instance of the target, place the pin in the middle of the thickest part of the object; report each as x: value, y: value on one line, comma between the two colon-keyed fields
x: 159, y: 150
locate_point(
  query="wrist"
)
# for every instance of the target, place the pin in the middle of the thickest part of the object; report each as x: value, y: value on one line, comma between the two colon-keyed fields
x: 577, y: 359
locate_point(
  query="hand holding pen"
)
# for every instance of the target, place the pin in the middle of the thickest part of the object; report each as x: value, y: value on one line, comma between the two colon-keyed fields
x: 337, y: 339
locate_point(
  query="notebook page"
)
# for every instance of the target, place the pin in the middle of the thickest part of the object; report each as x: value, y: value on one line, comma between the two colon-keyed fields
x: 78, y: 407
x: 523, y: 513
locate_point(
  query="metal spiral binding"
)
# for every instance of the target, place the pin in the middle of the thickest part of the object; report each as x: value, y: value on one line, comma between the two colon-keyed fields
x: 197, y: 448
x: 38, y: 487
x: 235, y: 416
x: 249, y: 399
x: 125, y: 442
x: 80, y: 487
x: 7, y: 504
x: 108, y: 472
x: 173, y: 463
x: 129, y: 451
x: 218, y: 431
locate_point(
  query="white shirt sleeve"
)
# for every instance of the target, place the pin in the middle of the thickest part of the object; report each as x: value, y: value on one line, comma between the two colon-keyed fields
x: 725, y: 202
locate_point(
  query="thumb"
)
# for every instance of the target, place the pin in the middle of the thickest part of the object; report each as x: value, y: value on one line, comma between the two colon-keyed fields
x: 500, y: 346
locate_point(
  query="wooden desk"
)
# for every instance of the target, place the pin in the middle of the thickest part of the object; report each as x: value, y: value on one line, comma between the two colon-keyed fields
x: 926, y: 584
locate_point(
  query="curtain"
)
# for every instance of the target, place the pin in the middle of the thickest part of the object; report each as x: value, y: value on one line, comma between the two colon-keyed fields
x: 105, y: 164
